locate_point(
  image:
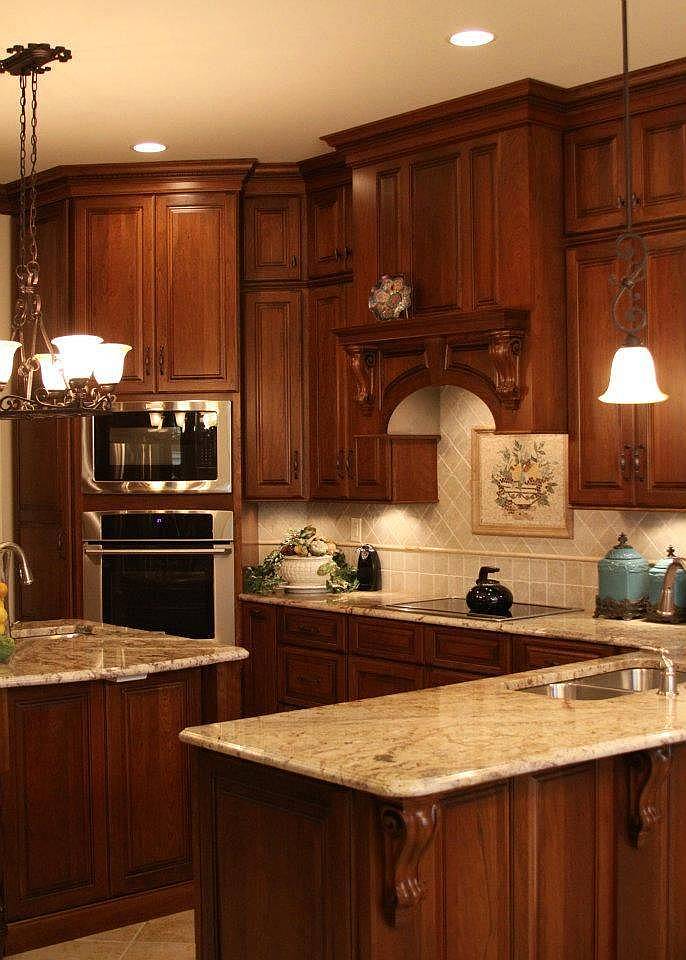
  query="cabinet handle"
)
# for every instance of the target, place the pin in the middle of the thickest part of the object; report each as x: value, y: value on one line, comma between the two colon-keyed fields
x: 635, y: 200
x: 348, y: 252
x: 337, y: 254
x: 621, y: 202
x: 147, y: 361
x: 313, y: 681
x: 639, y: 463
x: 61, y: 543
x: 624, y: 462
x: 294, y: 261
x: 349, y: 464
x: 296, y: 464
x: 340, y: 464
x: 308, y: 631
x: 161, y: 360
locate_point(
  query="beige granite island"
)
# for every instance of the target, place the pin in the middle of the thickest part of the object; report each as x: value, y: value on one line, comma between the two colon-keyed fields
x: 466, y: 821
x: 96, y: 811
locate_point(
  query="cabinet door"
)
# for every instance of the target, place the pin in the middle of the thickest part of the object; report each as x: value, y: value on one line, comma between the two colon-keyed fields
x: 328, y: 251
x: 595, y: 188
x: 328, y: 380
x: 197, y: 306
x: 310, y: 678
x: 148, y: 775
x: 660, y: 456
x: 601, y: 435
x: 54, y: 800
x: 535, y: 653
x: 660, y: 163
x: 368, y: 466
x: 114, y: 279
x: 258, y: 636
x: 272, y: 339
x: 272, y: 238
x: 379, y: 678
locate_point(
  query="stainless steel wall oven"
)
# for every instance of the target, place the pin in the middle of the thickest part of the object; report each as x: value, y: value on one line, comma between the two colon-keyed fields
x: 168, y: 570
x: 159, y: 446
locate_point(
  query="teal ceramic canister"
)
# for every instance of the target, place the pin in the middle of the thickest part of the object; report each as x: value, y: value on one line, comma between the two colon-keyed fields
x: 622, y: 583
x: 656, y: 578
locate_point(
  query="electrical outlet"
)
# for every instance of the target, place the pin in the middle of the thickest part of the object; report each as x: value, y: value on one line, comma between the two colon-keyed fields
x: 356, y: 530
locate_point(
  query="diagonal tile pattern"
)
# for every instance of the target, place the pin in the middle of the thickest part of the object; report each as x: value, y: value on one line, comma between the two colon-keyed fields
x: 430, y: 548
x: 166, y: 938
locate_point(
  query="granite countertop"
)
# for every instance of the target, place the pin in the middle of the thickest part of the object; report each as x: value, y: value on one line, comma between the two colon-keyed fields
x: 576, y: 625
x: 446, y: 738
x: 59, y: 651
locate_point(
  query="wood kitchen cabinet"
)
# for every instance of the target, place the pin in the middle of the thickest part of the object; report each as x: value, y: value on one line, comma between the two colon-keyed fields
x: 258, y: 636
x: 625, y: 455
x: 595, y: 176
x: 380, y: 678
x: 329, y: 231
x: 275, y: 458
x: 272, y: 238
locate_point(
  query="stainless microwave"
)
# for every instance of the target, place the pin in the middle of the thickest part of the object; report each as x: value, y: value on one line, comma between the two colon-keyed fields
x: 158, y: 446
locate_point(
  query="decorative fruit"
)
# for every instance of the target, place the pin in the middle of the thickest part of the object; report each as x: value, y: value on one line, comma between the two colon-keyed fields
x: 318, y: 547
x: 301, y: 550
x: 331, y: 547
x: 6, y: 648
x: 4, y: 590
x: 3, y: 617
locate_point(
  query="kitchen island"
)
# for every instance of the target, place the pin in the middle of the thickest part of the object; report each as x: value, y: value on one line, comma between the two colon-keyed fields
x: 96, y: 811
x: 473, y: 820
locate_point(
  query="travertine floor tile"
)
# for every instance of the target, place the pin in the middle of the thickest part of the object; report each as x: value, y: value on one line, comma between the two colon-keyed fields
x: 178, y: 928
x: 159, y: 951
x: 120, y: 935
x: 78, y: 950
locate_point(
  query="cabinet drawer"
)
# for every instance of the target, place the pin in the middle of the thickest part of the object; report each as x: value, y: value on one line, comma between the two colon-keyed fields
x: 479, y: 651
x: 379, y: 678
x: 308, y: 628
x: 390, y: 639
x: 309, y: 678
x: 534, y: 653
x: 433, y: 677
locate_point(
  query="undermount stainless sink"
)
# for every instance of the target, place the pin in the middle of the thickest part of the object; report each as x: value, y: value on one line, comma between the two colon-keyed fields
x: 604, y: 686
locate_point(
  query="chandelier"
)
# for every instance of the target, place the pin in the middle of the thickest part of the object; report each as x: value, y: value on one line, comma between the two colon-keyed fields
x: 69, y: 375
x: 632, y: 375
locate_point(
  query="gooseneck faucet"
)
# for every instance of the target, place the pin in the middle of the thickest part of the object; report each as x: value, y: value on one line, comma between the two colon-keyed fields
x: 665, y: 611
x: 9, y: 548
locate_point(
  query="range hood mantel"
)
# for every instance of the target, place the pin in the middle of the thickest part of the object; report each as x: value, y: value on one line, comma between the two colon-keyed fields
x: 480, y: 351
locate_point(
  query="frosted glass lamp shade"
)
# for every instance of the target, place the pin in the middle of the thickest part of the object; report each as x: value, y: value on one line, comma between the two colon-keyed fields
x: 8, y: 348
x: 632, y: 378
x: 52, y: 372
x: 78, y: 355
x: 109, y: 363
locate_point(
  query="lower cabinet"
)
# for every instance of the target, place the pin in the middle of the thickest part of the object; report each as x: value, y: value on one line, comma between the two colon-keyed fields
x: 309, y: 678
x: 379, y: 678
x: 533, y: 653
x: 96, y: 801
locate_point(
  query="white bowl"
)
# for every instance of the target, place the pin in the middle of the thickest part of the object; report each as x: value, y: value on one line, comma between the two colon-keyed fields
x: 300, y: 573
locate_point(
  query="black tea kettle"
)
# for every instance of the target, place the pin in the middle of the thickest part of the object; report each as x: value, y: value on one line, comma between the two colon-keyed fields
x: 489, y: 596
x: 368, y: 568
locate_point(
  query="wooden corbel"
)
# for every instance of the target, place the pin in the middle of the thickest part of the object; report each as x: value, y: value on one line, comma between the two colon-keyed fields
x: 407, y: 831
x: 648, y: 772
x: 505, y: 349
x: 363, y: 362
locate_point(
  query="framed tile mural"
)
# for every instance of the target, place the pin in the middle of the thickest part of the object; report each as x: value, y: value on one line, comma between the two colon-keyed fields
x: 519, y: 484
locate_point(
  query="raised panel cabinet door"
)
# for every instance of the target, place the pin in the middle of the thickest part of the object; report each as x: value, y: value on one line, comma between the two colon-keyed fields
x: 47, y: 547
x: 272, y: 238
x: 660, y: 457
x: 328, y: 251
x: 114, y: 281
x: 258, y: 636
x: 436, y: 192
x: 380, y: 678
x: 368, y: 467
x: 148, y: 776
x: 272, y: 343
x: 53, y: 809
x: 484, y: 223
x: 328, y: 434
x: 601, y: 436
x: 659, y: 139
x: 595, y: 187
x: 197, y: 292
x: 52, y: 231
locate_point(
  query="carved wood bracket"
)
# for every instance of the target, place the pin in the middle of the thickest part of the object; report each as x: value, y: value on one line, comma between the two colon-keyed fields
x: 648, y: 772
x: 407, y: 832
x: 505, y: 349
x: 362, y: 362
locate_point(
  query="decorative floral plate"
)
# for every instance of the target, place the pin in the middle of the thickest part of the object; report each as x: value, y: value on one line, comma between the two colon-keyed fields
x: 390, y: 297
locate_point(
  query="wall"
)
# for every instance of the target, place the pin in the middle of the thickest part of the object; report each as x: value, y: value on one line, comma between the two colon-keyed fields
x: 429, y: 549
x: 6, y: 291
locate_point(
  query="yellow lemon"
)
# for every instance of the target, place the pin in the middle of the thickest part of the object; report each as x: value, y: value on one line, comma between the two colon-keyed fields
x: 4, y: 590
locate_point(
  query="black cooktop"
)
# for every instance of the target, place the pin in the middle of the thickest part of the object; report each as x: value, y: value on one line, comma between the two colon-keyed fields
x: 457, y: 607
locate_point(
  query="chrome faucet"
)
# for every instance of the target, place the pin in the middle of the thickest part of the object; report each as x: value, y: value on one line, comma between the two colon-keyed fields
x: 9, y: 548
x: 668, y: 685
x: 665, y: 611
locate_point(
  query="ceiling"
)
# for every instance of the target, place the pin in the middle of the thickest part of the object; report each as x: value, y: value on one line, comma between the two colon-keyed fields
x: 266, y: 78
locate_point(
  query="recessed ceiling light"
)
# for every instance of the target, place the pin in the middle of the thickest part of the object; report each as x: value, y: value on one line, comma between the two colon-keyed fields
x: 149, y: 146
x: 472, y: 38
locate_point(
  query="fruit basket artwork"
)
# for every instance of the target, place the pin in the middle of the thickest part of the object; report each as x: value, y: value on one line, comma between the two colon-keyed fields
x: 391, y: 298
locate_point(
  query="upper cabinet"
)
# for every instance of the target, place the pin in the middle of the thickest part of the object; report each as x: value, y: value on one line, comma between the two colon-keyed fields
x: 160, y: 273
x: 595, y: 176
x: 272, y: 238
x: 329, y: 231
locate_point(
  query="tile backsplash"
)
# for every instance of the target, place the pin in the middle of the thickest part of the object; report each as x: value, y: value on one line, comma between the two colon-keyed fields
x: 429, y: 549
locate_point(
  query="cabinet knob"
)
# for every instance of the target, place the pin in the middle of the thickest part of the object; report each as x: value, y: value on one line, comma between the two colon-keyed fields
x: 296, y: 464
x: 161, y: 360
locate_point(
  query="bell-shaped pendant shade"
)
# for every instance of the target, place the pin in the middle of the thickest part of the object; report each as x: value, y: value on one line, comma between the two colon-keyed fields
x: 632, y: 378
x: 8, y: 348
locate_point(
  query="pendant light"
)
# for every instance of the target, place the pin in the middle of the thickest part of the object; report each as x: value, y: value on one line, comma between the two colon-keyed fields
x: 632, y: 376
x: 74, y: 375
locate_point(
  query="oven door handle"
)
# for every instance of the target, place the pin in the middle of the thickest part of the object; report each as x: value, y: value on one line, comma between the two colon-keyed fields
x: 95, y: 551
